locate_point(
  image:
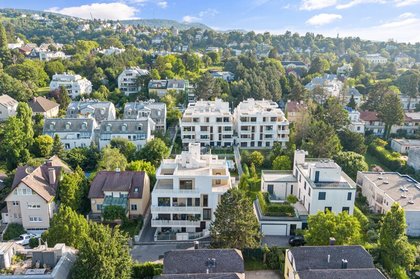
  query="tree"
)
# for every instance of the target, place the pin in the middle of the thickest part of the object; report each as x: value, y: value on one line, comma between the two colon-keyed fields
x: 58, y: 147
x: 282, y: 162
x: 67, y: 227
x: 24, y: 114
x: 43, y: 145
x: 61, y: 96
x: 352, y: 103
x: 71, y: 189
x: 321, y: 140
x: 358, y: 68
x: 5, y: 55
x: 154, y: 151
x: 13, y: 147
x: 235, y: 225
x: 351, y: 163
x: 207, y: 87
x: 256, y: 158
x: 15, y: 88
x: 54, y: 67
x: 390, y: 112
x: 104, y: 255
x: 333, y: 113
x: 126, y: 147
x: 318, y: 65
x: 352, y: 141
x: 143, y: 166
x: 112, y: 159
x: 343, y: 227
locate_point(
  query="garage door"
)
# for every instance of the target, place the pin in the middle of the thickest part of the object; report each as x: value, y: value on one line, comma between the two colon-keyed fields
x: 274, y: 229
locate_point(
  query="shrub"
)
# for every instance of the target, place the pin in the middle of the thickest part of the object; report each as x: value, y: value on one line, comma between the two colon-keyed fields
x: 33, y: 242
x: 274, y: 209
x: 275, y: 258
x: 113, y: 212
x: 13, y: 231
x: 391, y: 160
x: 146, y: 270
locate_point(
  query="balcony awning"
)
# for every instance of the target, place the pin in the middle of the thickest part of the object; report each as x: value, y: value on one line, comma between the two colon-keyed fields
x: 121, y: 201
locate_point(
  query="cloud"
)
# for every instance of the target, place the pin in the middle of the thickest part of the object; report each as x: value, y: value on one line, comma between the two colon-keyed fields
x: 162, y: 4
x: 310, y: 5
x: 406, y: 15
x: 323, y: 19
x: 353, y: 3
x: 189, y: 19
x: 201, y: 15
x: 405, y: 19
x: 112, y: 11
x: 404, y: 3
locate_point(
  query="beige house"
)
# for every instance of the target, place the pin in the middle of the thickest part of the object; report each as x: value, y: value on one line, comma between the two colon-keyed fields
x: 32, y: 200
x: 128, y: 189
x: 41, y: 105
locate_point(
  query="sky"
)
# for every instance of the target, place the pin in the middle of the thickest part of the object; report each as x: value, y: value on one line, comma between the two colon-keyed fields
x: 368, y: 19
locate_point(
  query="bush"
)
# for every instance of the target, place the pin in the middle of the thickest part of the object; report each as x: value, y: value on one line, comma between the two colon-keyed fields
x: 275, y: 258
x: 113, y: 212
x: 33, y: 242
x: 13, y: 231
x: 146, y: 270
x: 391, y: 160
x: 274, y: 209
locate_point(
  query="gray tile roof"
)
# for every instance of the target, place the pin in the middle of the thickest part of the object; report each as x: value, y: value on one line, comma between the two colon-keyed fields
x: 52, y: 125
x: 368, y: 273
x: 123, y: 181
x: 41, y: 104
x: 136, y: 126
x: 195, y: 261
x: 98, y: 109
x: 134, y: 110
x: 203, y: 276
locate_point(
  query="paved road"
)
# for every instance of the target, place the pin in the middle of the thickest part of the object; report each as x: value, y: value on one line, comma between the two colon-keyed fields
x: 274, y: 240
x: 238, y: 160
x: 148, y: 234
x: 155, y: 252
x: 263, y: 274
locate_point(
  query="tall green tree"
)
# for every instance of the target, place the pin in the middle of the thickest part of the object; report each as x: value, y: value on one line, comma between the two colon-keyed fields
x: 236, y: 225
x: 318, y: 65
x: 207, y: 87
x: 58, y: 147
x: 15, y: 88
x: 5, y: 55
x: 154, y: 151
x: 24, y: 114
x: 333, y: 113
x: 352, y: 141
x: 321, y: 140
x: 147, y: 167
x: 351, y: 163
x: 43, y: 145
x: 13, y: 147
x: 358, y: 68
x: 282, y: 162
x: 71, y: 189
x: 104, y: 254
x: 391, y: 112
x: 126, y: 147
x: 111, y: 159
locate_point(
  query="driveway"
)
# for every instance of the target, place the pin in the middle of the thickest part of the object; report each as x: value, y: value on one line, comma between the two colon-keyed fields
x: 263, y: 274
x: 238, y: 162
x: 155, y: 252
x: 148, y: 233
x: 274, y: 240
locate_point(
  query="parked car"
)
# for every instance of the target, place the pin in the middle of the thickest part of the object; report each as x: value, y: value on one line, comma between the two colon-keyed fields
x: 297, y: 240
x: 24, y: 238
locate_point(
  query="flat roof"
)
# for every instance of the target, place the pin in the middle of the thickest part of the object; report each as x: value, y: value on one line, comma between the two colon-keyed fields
x: 278, y: 176
x: 345, y: 181
x: 408, y: 141
x: 393, y: 183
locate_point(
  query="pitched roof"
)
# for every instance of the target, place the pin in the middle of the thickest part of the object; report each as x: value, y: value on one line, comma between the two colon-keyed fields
x: 123, y: 181
x: 131, y: 126
x: 6, y: 100
x: 369, y: 116
x: 41, y: 104
x: 204, y: 276
x: 75, y: 125
x: 38, y: 178
x: 294, y: 106
x: 368, y: 273
x: 196, y: 261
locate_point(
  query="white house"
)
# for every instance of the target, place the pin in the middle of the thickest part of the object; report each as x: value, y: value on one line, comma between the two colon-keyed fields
x: 319, y: 185
x: 85, y: 108
x: 410, y: 125
x: 227, y: 76
x: 112, y: 50
x: 382, y: 189
x: 138, y: 131
x: 376, y: 59
x: 50, y: 55
x: 128, y: 80
x: 409, y: 103
x: 344, y: 70
x: 155, y: 110
x: 356, y: 124
x: 372, y: 122
x: 75, y: 84
x: 208, y: 123
x: 403, y: 146
x: 260, y: 123
x: 329, y: 83
x: 8, y: 107
x: 414, y: 159
x: 73, y: 132
x: 353, y: 92
x: 186, y: 194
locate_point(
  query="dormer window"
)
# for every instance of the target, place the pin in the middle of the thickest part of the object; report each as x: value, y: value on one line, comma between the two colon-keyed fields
x: 136, y: 190
x: 124, y: 127
x: 140, y: 127
x: 68, y: 125
x: 84, y: 125
x: 108, y: 127
x: 52, y: 125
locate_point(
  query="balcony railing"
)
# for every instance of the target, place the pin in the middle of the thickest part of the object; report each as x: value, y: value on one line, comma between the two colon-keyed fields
x: 179, y: 223
x: 170, y: 209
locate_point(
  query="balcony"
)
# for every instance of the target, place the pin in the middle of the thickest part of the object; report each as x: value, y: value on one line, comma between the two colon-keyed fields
x: 176, y: 209
x: 175, y: 223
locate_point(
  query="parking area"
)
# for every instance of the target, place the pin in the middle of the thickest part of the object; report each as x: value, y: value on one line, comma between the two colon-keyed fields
x: 155, y: 252
x: 272, y: 240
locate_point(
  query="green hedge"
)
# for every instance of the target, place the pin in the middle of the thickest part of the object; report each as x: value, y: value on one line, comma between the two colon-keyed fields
x: 146, y: 270
x: 391, y: 160
x: 13, y: 231
x: 113, y: 212
x: 274, y: 209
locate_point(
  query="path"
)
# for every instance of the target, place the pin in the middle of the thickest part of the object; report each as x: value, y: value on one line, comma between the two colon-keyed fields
x: 238, y: 160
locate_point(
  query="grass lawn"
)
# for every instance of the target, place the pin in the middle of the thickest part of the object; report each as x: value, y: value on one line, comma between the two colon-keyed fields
x: 372, y: 160
x: 42, y: 91
x: 132, y: 227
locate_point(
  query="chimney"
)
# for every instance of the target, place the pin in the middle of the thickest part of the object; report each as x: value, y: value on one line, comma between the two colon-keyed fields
x: 49, y: 163
x: 328, y: 258
x: 51, y: 176
x: 344, y: 264
x: 332, y: 241
x: 117, y: 170
x: 196, y: 245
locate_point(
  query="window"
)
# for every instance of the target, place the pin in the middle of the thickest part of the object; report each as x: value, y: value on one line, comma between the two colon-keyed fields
x: 185, y: 184
x: 346, y: 208
x: 329, y: 208
x: 134, y: 207
x: 205, y: 200
x: 197, y: 201
x: 34, y: 206
x: 99, y: 207
x: 349, y: 196
x: 300, y: 177
x: 207, y: 214
x: 16, y: 203
x: 321, y: 196
x: 291, y: 189
x: 309, y: 191
x: 304, y: 185
x: 35, y: 219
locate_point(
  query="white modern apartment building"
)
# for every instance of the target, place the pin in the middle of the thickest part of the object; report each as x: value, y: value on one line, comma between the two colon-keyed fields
x: 186, y: 194
x: 382, y: 189
x: 376, y: 59
x: 128, y: 80
x: 356, y: 124
x: 260, y: 123
x: 75, y: 84
x: 209, y: 123
x: 319, y: 185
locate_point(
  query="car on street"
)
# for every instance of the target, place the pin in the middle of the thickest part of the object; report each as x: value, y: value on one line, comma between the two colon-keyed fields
x: 297, y: 240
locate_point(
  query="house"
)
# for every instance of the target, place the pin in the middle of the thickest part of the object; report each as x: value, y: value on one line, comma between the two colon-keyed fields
x: 112, y: 50
x: 8, y: 107
x: 296, y: 111
x: 227, y: 76
x: 345, y: 70
x: 45, y: 107
x: 382, y: 189
x: 26, y: 49
x: 186, y: 194
x: 155, y: 110
x: 322, y: 262
x: 138, y: 131
x: 414, y: 159
x: 403, y: 59
x: 75, y: 84
x: 73, y: 132
x: 7, y: 252
x: 329, y: 83
x: 18, y: 44
x: 209, y: 123
x: 356, y: 124
x: 128, y: 189
x: 32, y: 200
x: 409, y: 103
x: 162, y: 87
x: 128, y: 80
x: 260, y: 123
x: 297, y: 67
x: 376, y: 59
x: 319, y: 185
x: 353, y: 92
x: 372, y: 122
x: 48, y: 55
x: 90, y: 108
x: 203, y: 263
x: 410, y: 125
x: 403, y: 146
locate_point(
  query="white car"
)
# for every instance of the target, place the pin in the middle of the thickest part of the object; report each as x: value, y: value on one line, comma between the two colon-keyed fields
x: 24, y: 238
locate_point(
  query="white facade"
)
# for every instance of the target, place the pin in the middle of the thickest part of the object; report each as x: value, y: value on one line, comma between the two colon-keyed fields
x: 209, y: 123
x: 344, y: 70
x: 187, y: 192
x: 112, y: 50
x: 409, y: 103
x: 382, y: 190
x: 8, y: 107
x: 330, y: 83
x: 403, y: 146
x: 376, y: 59
x: 127, y: 80
x: 50, y: 55
x: 414, y: 159
x: 260, y: 124
x: 356, y: 124
x: 75, y: 84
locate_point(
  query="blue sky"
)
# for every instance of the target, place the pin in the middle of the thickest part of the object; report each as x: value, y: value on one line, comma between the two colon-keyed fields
x: 368, y: 19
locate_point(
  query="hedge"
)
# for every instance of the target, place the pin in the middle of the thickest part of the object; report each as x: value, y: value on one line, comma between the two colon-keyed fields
x: 274, y: 209
x: 391, y: 160
x: 113, y: 212
x: 146, y: 270
x: 13, y: 231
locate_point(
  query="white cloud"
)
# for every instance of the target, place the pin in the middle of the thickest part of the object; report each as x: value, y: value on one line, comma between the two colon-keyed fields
x: 406, y: 15
x: 310, y: 5
x: 404, y: 3
x: 162, y: 4
x: 323, y: 19
x: 201, y: 15
x: 189, y: 19
x: 353, y: 3
x: 112, y: 11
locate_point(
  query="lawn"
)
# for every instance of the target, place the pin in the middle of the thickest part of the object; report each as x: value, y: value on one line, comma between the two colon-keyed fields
x: 372, y: 160
x: 254, y: 264
x: 132, y: 227
x: 42, y: 91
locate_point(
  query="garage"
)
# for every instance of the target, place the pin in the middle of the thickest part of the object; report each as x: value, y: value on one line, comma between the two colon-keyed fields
x: 274, y: 229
